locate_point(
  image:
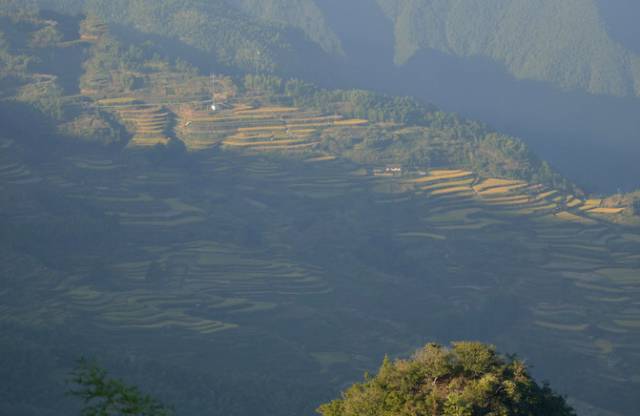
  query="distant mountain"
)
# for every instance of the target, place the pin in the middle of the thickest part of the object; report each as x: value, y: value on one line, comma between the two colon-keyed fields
x: 565, y: 43
x: 571, y: 44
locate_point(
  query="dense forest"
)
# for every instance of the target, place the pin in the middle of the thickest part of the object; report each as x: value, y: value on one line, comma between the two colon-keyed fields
x: 470, y: 379
x: 566, y: 44
x: 240, y: 41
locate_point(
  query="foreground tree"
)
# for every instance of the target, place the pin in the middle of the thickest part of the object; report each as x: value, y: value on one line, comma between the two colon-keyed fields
x: 468, y: 379
x: 104, y: 396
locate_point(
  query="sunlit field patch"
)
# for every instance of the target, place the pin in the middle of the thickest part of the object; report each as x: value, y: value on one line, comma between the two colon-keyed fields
x: 568, y: 216
x: 562, y: 327
x: 606, y: 211
x: 435, y: 175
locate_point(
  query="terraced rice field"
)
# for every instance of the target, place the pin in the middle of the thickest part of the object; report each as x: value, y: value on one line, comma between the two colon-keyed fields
x: 150, y: 125
x: 12, y: 171
x: 462, y: 189
x: 258, y: 129
x: 199, y: 287
x: 570, y: 246
x: 247, y: 236
x: 177, y: 282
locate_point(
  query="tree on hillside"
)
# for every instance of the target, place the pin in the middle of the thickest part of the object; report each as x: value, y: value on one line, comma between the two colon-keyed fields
x: 104, y: 396
x: 468, y: 379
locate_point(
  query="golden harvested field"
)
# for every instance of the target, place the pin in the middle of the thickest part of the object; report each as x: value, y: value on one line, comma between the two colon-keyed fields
x: 436, y: 175
x: 257, y: 128
x: 497, y: 186
x: 147, y: 124
x: 573, y: 202
x: 141, y: 141
x: 351, y: 122
x: 507, y: 200
x: 568, y: 216
x: 117, y: 101
x: 452, y: 190
x: 612, y: 211
x: 321, y: 159
x: 547, y: 194
x: 455, y: 183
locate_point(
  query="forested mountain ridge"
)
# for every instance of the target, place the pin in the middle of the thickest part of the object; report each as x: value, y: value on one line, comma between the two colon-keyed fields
x: 302, y: 14
x: 565, y: 43
x: 222, y: 34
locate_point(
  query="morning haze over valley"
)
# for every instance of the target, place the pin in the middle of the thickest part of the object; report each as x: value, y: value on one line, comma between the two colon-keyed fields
x: 333, y: 207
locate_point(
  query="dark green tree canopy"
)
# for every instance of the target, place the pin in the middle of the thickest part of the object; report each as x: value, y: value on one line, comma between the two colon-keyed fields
x: 105, y: 396
x: 468, y: 379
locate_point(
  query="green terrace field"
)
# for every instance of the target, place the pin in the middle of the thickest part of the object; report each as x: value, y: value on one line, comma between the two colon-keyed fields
x: 13, y: 172
x: 243, y: 243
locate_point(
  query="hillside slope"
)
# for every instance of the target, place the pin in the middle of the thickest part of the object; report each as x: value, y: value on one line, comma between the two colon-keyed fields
x: 302, y: 14
x: 223, y: 33
x: 256, y: 259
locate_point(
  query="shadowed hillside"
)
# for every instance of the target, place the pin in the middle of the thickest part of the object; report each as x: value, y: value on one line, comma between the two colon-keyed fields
x: 258, y: 258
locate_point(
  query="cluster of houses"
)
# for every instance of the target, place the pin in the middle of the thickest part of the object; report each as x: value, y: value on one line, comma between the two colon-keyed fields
x: 389, y: 170
x: 395, y: 170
